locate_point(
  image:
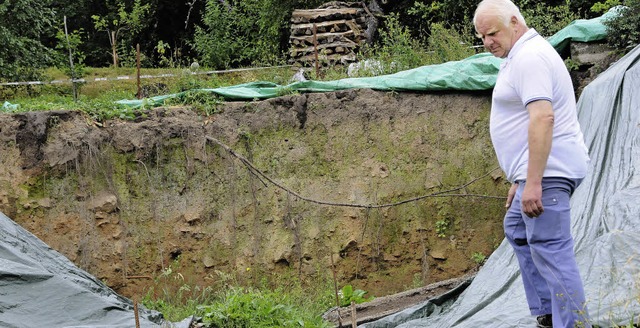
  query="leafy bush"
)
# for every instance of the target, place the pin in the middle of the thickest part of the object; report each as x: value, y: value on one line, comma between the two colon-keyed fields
x: 249, y: 307
x: 624, y: 30
x: 205, y: 103
x: 242, y: 33
x: 396, y: 49
x: 546, y: 19
x: 348, y: 295
x: 70, y: 43
x: 447, y: 44
x: 23, y: 24
x: 602, y: 7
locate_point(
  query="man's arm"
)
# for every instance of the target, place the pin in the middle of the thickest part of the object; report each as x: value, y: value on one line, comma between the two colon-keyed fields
x: 541, y: 118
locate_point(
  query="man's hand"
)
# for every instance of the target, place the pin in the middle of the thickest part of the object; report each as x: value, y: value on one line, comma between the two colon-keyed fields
x: 532, y: 200
x: 511, y: 194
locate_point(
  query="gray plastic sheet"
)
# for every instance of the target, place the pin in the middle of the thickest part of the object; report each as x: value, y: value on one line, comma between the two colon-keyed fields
x: 605, y: 225
x: 39, y: 287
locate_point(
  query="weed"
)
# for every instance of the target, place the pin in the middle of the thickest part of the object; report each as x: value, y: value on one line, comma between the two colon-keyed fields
x: 442, y: 226
x: 202, y: 102
x: 347, y: 295
x: 478, y: 257
x: 571, y: 64
x: 248, y: 307
x: 175, y: 297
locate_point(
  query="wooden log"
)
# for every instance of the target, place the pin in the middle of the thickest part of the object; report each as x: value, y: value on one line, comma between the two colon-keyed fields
x: 323, y: 49
x: 318, y: 15
x: 348, y: 44
x: 324, y: 36
x: 322, y: 24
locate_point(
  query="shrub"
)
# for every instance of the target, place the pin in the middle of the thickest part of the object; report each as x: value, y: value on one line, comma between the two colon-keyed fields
x: 447, y: 44
x: 624, y: 29
x: 396, y: 50
x: 348, y: 295
x: 547, y: 20
x: 249, y: 307
x: 242, y: 33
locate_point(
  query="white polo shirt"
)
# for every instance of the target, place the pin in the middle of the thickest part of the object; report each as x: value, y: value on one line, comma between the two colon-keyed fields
x: 532, y: 71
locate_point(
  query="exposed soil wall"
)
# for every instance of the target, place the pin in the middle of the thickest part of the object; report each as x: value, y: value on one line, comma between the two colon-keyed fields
x: 125, y: 200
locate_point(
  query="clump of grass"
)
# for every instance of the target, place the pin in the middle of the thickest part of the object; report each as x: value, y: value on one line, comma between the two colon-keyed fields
x: 280, y: 299
x: 249, y: 307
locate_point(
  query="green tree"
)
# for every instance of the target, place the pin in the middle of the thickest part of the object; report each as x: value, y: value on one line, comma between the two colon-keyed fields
x: 123, y: 18
x: 624, y: 30
x: 247, y: 32
x: 23, y: 23
x: 547, y: 19
x: 68, y: 45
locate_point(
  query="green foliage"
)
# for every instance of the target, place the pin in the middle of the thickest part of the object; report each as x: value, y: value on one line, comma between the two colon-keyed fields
x: 98, y: 109
x: 347, y: 295
x: 122, y: 18
x: 70, y: 43
x: 571, y: 64
x: 248, y: 307
x: 478, y: 257
x: 175, y: 298
x: 23, y: 24
x: 546, y: 19
x: 243, y: 33
x: 238, y: 33
x: 442, y: 227
x: 167, y: 57
x: 205, y: 103
x: 601, y: 8
x: 279, y: 300
x: 396, y: 50
x: 447, y: 44
x: 455, y: 13
x: 624, y: 30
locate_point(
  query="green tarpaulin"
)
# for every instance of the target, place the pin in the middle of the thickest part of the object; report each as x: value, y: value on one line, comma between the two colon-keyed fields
x: 477, y: 72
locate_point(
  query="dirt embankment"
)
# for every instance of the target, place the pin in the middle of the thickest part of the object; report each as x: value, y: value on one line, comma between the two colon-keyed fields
x: 127, y: 201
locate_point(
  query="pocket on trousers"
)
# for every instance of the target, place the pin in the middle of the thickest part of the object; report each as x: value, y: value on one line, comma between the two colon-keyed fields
x: 554, y: 223
x: 549, y: 200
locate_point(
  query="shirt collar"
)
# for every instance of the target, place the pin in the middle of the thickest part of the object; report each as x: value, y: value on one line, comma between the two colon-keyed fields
x: 530, y: 34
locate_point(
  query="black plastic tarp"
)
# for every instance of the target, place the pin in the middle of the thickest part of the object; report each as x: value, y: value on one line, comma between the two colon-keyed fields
x: 605, y: 225
x: 39, y: 287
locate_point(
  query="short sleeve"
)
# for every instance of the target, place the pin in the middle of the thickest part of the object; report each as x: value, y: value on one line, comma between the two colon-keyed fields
x: 533, y: 78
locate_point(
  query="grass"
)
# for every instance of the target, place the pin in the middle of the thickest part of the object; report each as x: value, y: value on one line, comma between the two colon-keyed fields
x: 97, y: 98
x: 282, y: 300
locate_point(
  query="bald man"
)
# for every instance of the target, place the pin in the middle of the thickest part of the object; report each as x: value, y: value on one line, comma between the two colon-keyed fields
x: 537, y: 139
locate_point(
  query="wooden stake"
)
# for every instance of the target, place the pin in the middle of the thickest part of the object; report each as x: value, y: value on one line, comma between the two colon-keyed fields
x: 135, y: 313
x: 138, y: 69
x: 73, y: 76
x: 335, y: 287
x: 315, y: 48
x: 354, y: 317
x: 113, y: 49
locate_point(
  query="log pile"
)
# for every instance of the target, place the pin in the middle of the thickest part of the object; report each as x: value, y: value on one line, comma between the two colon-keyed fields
x: 333, y: 34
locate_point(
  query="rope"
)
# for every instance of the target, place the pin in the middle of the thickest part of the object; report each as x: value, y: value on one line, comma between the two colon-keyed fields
x: 445, y: 193
x: 126, y: 77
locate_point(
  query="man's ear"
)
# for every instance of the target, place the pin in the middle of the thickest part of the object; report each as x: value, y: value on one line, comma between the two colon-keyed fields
x: 514, y: 20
